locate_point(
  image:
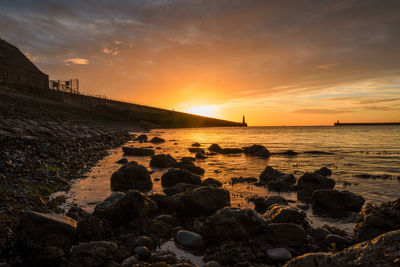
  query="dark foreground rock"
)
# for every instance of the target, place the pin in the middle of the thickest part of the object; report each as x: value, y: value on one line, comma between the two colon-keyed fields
x: 162, y: 161
x: 137, y: 151
x: 277, y: 180
x: 131, y: 176
x: 175, y: 176
x: 190, y: 166
x: 285, y: 214
x: 374, y: 220
x: 262, y: 204
x: 289, y: 234
x: 324, y: 171
x: 95, y: 253
x: 179, y: 188
x: 189, y: 239
x: 204, y: 200
x: 333, y: 201
x: 211, y: 182
x: 310, y: 182
x: 382, y: 251
x: 257, y: 151
x: 121, y: 208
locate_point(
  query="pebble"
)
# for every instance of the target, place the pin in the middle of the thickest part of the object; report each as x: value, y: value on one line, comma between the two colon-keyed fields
x: 144, y: 241
x: 189, y: 239
x: 279, y: 254
x: 143, y: 252
x: 339, y: 241
x: 320, y: 233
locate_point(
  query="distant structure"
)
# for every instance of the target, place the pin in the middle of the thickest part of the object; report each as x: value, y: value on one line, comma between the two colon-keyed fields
x: 17, y: 69
x: 244, y: 121
x: 366, y: 123
x: 70, y: 86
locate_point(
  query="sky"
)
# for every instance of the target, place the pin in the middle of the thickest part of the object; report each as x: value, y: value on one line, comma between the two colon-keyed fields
x: 298, y: 62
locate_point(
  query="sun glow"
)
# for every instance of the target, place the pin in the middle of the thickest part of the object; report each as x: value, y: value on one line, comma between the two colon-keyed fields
x: 207, y: 110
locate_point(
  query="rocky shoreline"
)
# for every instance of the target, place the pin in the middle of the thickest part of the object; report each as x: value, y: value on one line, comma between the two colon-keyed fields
x: 128, y: 228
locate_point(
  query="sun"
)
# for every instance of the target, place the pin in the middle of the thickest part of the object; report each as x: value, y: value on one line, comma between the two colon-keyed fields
x: 206, y: 110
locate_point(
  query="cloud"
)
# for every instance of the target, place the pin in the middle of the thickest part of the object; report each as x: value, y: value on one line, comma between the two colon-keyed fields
x: 321, y: 111
x: 78, y: 61
x: 326, y: 66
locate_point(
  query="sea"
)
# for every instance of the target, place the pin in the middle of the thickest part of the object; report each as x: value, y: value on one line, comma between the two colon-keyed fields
x: 350, y: 152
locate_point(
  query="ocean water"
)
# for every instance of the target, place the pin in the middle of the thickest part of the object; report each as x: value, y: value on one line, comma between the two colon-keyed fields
x: 353, y: 150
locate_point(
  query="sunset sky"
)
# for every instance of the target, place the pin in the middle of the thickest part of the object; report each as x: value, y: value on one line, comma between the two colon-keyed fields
x: 298, y: 62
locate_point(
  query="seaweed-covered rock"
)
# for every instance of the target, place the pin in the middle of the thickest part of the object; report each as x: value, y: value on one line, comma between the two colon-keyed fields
x: 131, y: 176
x: 204, y: 200
x: 310, y: 182
x: 289, y: 234
x: 257, y: 151
x: 162, y: 161
x: 137, y: 151
x: 174, y: 176
x: 92, y: 228
x: 141, y: 138
x: 121, y: 208
x: 382, y: 251
x: 374, y: 220
x: 233, y: 224
x: 331, y: 201
x: 95, y: 253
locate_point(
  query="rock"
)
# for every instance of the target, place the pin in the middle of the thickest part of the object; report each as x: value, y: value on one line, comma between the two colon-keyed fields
x: 333, y: 201
x: 179, y: 188
x: 143, y: 252
x: 196, y: 145
x: 141, y: 138
x: 212, y: 264
x: 165, y: 203
x: 163, y: 256
x: 121, y: 209
x: 262, y: 204
x: 174, y: 176
x: 230, y: 151
x: 187, y: 165
x: 374, y: 220
x: 157, y: 140
x: 129, y: 262
x: 200, y: 156
x: 145, y: 241
x: 240, y: 180
x: 383, y: 251
x: 336, y: 242
x: 233, y: 224
x: 37, y: 231
x: 289, y: 234
x: 162, y: 161
x: 92, y: 228
x: 320, y: 233
x: 279, y: 254
x: 77, y: 213
x: 257, y: 151
x: 137, y: 151
x: 285, y: 214
x: 215, y: 148
x: 211, y: 182
x: 277, y: 180
x: 122, y: 161
x: 324, y: 171
x: 204, y: 200
x: 95, y: 253
x: 309, y: 182
x: 185, y: 159
x: 196, y: 150
x: 289, y: 153
x: 189, y: 239
x: 317, y: 152
x: 131, y: 176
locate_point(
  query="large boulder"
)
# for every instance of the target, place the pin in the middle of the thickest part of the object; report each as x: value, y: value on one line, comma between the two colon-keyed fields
x: 277, y: 180
x: 174, y: 176
x: 310, y: 182
x: 374, y: 220
x: 261, y: 204
x: 233, y: 224
x: 289, y: 234
x: 162, y: 161
x: 165, y: 203
x: 204, y: 200
x: 121, y: 208
x: 257, y: 151
x: 37, y: 231
x: 382, y: 251
x: 137, y: 151
x: 332, y: 201
x: 131, y: 176
x: 285, y: 214
x: 95, y: 253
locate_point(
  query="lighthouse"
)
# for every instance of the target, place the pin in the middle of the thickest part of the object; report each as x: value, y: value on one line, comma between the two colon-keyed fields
x: 244, y: 121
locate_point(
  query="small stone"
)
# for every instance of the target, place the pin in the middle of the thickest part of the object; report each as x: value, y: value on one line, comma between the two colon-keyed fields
x: 279, y: 254
x: 189, y: 239
x: 336, y: 241
x: 144, y: 241
x: 143, y: 252
x: 195, y: 144
x: 320, y: 233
